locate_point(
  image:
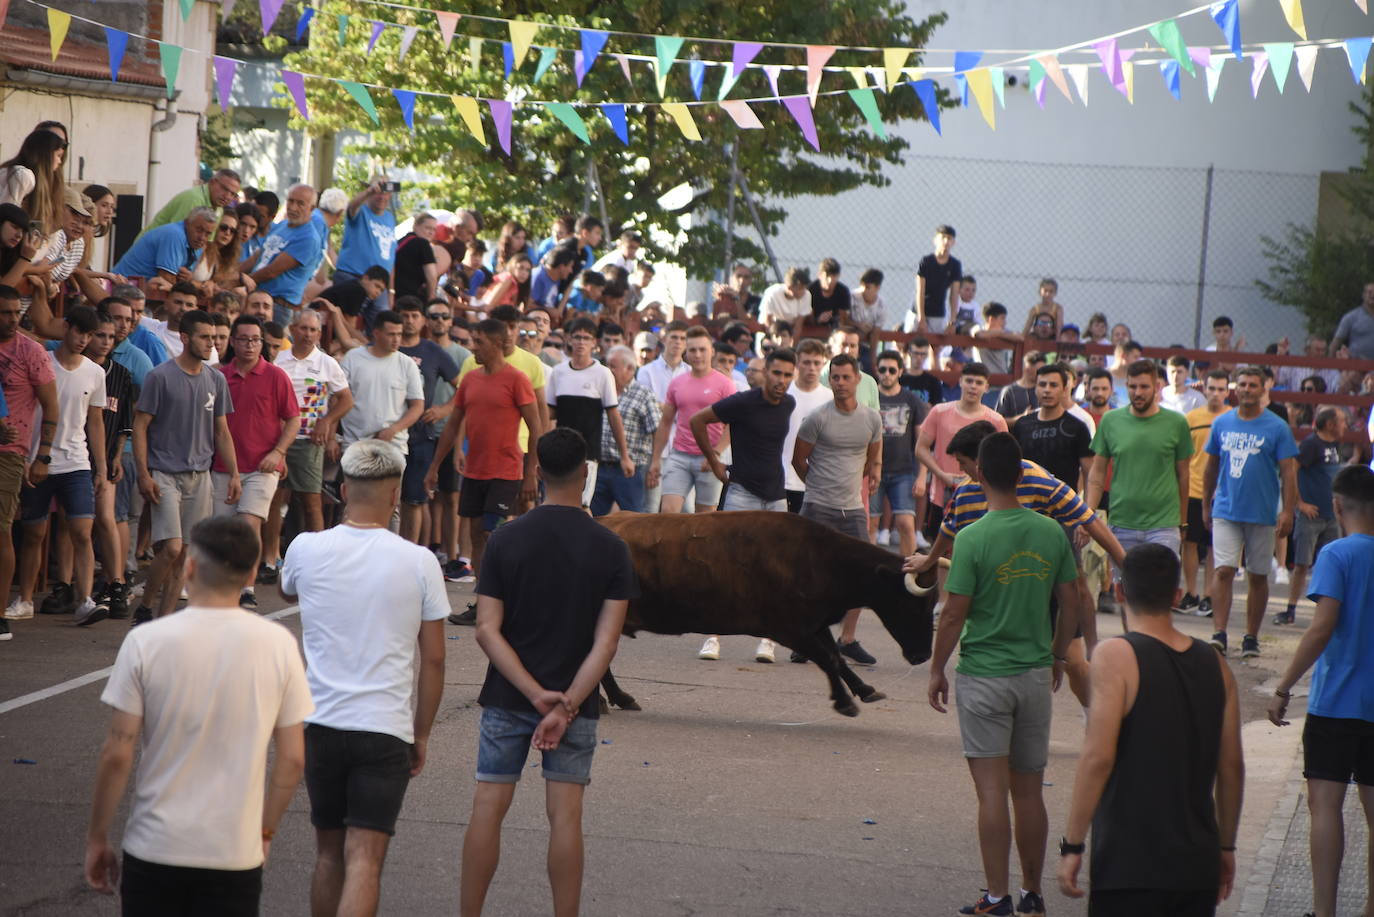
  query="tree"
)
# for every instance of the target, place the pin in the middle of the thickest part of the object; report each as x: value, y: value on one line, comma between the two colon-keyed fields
x: 546, y: 173
x: 1321, y: 270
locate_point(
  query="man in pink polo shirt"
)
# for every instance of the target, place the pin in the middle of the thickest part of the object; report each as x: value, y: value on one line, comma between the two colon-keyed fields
x: 939, y: 427
x: 263, y: 425
x: 686, y: 469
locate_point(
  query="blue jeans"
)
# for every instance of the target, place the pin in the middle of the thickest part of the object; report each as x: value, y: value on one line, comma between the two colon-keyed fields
x: 503, y: 747
x: 613, y: 487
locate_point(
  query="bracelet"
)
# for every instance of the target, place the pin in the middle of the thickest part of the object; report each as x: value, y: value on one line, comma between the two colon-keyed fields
x: 1230, y: 849
x: 269, y: 833
x: 1283, y: 694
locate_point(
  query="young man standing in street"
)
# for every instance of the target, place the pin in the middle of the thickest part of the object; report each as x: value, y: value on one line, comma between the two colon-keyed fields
x: 943, y: 421
x: 685, y: 470
x: 806, y: 390
x: 388, y: 390
x: 1161, y: 759
x: 1197, y: 538
x: 435, y: 365
x: 551, y: 602
x: 1315, y: 526
x: 118, y: 417
x: 904, y: 479
x: 581, y: 394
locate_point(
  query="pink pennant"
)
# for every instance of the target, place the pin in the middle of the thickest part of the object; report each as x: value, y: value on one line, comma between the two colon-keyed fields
x: 407, y: 38
x: 772, y: 71
x: 816, y: 58
x: 501, y: 114
x: 447, y: 23
x: 1201, y: 56
x: 1111, y: 61
x: 295, y: 84
x: 624, y: 66
x: 800, y: 108
x: 745, y: 51
x: 225, y: 70
x: 744, y: 116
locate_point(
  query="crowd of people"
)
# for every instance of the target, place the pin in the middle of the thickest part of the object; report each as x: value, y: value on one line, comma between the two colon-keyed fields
x: 473, y: 397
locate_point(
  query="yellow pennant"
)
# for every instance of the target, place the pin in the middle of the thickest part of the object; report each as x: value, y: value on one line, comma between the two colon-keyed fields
x: 1292, y: 11
x: 980, y: 84
x: 1128, y: 71
x: 860, y: 76
x: 683, y: 116
x: 894, y: 59
x: 58, y: 23
x: 521, y: 37
x: 471, y: 114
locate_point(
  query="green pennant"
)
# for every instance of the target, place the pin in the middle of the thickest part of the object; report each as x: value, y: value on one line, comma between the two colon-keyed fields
x: 1166, y: 33
x: 475, y: 54
x: 665, y: 48
x: 546, y: 58
x: 1037, y: 73
x: 171, y: 63
x: 186, y: 7
x: 869, y: 106
x: 364, y: 98
x: 343, y: 29
x: 727, y: 82
x: 569, y: 116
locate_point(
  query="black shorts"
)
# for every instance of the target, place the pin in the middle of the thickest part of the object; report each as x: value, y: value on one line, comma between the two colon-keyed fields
x: 494, y: 496
x: 1338, y: 750
x: 794, y: 500
x: 417, y: 465
x: 156, y: 890
x: 355, y: 779
x: 448, y: 475
x: 1197, y: 533
x: 1149, y: 902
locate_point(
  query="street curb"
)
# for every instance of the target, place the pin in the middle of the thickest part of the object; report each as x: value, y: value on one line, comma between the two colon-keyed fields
x: 1265, y: 863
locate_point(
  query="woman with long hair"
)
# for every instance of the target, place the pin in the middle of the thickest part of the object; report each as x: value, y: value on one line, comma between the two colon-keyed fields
x: 220, y: 264
x: 513, y: 240
x: 18, y: 246
x: 32, y: 178
x: 102, y: 223
x: 250, y: 218
x: 511, y: 286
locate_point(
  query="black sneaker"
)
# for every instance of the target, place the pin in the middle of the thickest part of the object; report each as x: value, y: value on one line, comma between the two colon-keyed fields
x: 117, y: 598
x: 142, y: 615
x: 797, y: 657
x: 248, y: 600
x: 5, y: 630
x: 1204, y: 607
x: 1106, y: 605
x: 1285, y: 617
x: 1219, y: 642
x: 985, y: 907
x: 465, y: 618
x: 268, y: 574
x: 1188, y: 605
x: 1031, y: 905
x: 61, y: 601
x: 1249, y: 646
x: 455, y: 571
x: 857, y: 653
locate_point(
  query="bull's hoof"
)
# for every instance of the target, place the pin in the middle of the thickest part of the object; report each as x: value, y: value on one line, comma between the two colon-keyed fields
x: 848, y: 708
x: 873, y: 695
x: 627, y: 702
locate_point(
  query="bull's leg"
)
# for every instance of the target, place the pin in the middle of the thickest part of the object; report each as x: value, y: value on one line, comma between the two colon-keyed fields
x: 828, y: 658
x: 615, y: 695
x: 864, y: 692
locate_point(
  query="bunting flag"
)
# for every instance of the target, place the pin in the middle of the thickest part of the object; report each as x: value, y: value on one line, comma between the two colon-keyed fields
x: 1128, y: 81
x: 771, y: 71
x: 966, y: 60
x: 1110, y: 56
x: 186, y: 7
x: 475, y: 55
x: 961, y: 80
x: 521, y: 37
x: 115, y: 44
x: 295, y: 84
x: 816, y: 58
x: 364, y: 98
x: 377, y: 29
x: 742, y: 55
x: 1307, y: 64
x: 980, y: 84
x: 682, y: 115
x: 1079, y: 74
x: 343, y: 29
x: 800, y: 109
x: 58, y: 24
x: 615, y: 113
x: 170, y: 56
x: 894, y: 59
x: 1280, y: 56
x: 624, y: 66
x: 743, y: 115
x: 859, y: 75
x: 579, y: 71
x: 471, y: 114
x: 1036, y: 74
x: 1201, y: 57
x: 546, y: 58
x: 1226, y: 14
x: 1363, y: 5
x: 1292, y: 11
x: 593, y: 43
x: 1040, y: 93
x: 303, y: 23
x: 225, y: 71
x: 665, y: 49
x: 269, y: 9
x: 868, y: 105
x: 727, y: 82
x: 448, y: 22
x: 570, y: 118
x: 508, y: 57
x: 1259, y: 64
x: 501, y: 115
x: 226, y: 7
x: 407, y: 38
x: 1357, y: 52
x: 925, y: 91
x: 1055, y: 73
x: 998, y: 75
x: 1214, y: 77
x: 1171, y: 40
x: 1170, y: 70
x: 696, y: 69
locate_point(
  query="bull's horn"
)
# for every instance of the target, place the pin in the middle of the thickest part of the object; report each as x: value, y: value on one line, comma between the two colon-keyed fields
x: 914, y: 587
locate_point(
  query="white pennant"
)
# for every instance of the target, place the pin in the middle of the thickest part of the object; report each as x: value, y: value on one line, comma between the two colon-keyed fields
x: 1079, y: 74
x: 772, y: 70
x: 1260, y: 61
x: 225, y: 8
x: 407, y: 37
x: 1214, y: 76
x: 1307, y: 63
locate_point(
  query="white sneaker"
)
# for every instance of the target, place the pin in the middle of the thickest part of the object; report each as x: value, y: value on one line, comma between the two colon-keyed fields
x: 922, y: 541
x: 19, y: 610
x: 765, y: 651
x: 1280, y: 574
x: 710, y: 649
x: 88, y: 612
x: 884, y: 536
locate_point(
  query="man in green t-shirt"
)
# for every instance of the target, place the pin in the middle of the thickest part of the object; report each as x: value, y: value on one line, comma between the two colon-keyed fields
x: 222, y: 190
x: 1002, y: 572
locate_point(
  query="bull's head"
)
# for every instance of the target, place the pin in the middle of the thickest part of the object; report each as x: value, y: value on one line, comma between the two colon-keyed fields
x: 907, y: 611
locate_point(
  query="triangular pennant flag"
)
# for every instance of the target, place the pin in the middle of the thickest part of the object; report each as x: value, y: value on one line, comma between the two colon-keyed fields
x: 406, y: 99
x: 1259, y: 63
x: 744, y: 52
x: 771, y: 71
x: 508, y: 56
x: 999, y: 85
x: 1056, y: 74
x: 343, y: 29
x: 521, y: 37
x: 1307, y: 64
x: 696, y: 69
x: 624, y: 63
x: 961, y: 80
x: 115, y: 44
x: 171, y: 63
x: 615, y: 113
x: 501, y: 115
x: 546, y: 58
x: 1035, y: 74
x: 894, y: 59
x: 1226, y: 14
x: 471, y: 114
x: 186, y: 7
x: 665, y: 52
x: 925, y: 91
x: 867, y: 104
x: 1128, y: 76
x: 1079, y: 74
x: 593, y: 42
x: 579, y: 70
x: 682, y: 115
x: 475, y: 54
x: 269, y: 10
x: 1363, y: 5
x: 1214, y: 77
x: 1292, y: 11
x: 1111, y: 61
x: 727, y: 82
x: 58, y: 24
x: 295, y: 84
x: 1202, y: 57
x: 744, y: 116
x: 570, y: 118
x: 859, y: 75
x: 448, y: 22
x: 225, y: 71
x: 980, y: 84
x: 1280, y: 56
x: 1170, y: 39
x: 407, y: 37
x: 816, y: 58
x: 1357, y: 52
x: 800, y: 109
x: 226, y: 8
x: 304, y: 22
x: 364, y: 98
x: 1040, y: 92
x: 377, y: 29
x: 1169, y: 70
x: 966, y: 60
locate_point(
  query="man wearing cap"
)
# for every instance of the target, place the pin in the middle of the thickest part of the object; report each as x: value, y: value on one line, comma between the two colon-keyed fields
x: 646, y: 347
x: 65, y: 251
x: 222, y: 190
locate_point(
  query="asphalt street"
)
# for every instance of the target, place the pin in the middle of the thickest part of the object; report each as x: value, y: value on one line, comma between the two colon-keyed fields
x: 736, y: 791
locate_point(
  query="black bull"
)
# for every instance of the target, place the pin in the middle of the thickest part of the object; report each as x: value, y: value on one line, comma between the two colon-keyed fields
x: 773, y: 575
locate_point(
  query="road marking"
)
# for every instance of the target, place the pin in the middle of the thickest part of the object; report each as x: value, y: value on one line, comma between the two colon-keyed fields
x: 81, y: 681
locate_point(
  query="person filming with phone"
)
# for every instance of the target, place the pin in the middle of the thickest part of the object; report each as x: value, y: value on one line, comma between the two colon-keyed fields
x: 369, y: 238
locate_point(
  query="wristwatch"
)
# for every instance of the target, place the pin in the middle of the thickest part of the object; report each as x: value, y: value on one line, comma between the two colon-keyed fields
x: 45, y: 459
x: 1065, y: 848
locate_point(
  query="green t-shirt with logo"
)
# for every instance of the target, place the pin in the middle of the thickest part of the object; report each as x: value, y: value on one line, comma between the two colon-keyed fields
x: 1144, y: 451
x: 1008, y: 563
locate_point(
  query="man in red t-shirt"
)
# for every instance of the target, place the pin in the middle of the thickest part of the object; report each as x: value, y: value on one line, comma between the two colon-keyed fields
x: 493, y: 402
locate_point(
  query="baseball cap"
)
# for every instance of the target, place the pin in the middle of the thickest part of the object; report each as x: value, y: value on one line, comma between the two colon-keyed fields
x: 646, y: 340
x: 77, y: 201
x: 1071, y: 327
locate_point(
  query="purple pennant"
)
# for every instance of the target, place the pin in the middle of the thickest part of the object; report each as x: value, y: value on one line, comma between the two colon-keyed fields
x: 304, y: 23
x: 295, y: 84
x: 406, y: 99
x: 225, y: 71
x: 269, y: 10
x: 1111, y: 61
x: 116, y: 41
x: 377, y: 29
x: 925, y: 91
x: 579, y: 67
x: 745, y: 51
x: 615, y: 113
x: 501, y: 114
x: 800, y: 107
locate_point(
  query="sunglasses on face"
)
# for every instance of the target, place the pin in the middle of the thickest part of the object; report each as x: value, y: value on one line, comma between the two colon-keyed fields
x: 887, y: 371
x: 529, y: 334
x: 440, y: 316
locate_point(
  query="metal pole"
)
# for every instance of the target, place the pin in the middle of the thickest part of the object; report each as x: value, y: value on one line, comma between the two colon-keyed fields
x: 730, y: 211
x: 587, y: 188
x: 1202, y: 258
x: 758, y: 225
x: 600, y: 198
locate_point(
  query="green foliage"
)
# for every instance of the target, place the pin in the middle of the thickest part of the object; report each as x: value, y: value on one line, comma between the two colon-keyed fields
x: 546, y: 172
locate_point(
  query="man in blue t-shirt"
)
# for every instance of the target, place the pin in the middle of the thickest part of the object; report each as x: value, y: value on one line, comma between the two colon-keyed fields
x: 167, y: 250
x: 369, y: 237
x: 1314, y: 526
x: 1336, y: 742
x: 289, y: 255
x: 1248, y: 452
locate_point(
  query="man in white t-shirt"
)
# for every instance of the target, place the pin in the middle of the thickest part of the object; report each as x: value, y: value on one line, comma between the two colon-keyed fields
x: 368, y: 598
x: 581, y: 394
x: 182, y: 298
x: 789, y: 301
x: 1178, y: 395
x: 200, y: 693
x: 388, y: 390
x: 656, y: 374
x: 807, y: 391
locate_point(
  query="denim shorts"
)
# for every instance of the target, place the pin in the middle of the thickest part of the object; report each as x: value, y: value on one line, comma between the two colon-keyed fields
x: 73, y: 490
x: 740, y: 498
x: 417, y: 466
x: 682, y: 473
x: 504, y: 746
x: 897, y: 489
x: 1129, y: 538
x: 126, y: 489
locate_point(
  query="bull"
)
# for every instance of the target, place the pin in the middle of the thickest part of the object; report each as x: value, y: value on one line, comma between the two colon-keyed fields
x: 773, y: 575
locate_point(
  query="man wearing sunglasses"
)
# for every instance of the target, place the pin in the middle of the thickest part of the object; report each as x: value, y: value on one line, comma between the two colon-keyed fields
x: 903, y: 482
x: 222, y: 190
x: 444, y: 508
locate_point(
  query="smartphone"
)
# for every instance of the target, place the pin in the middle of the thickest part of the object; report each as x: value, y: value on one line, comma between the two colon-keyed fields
x: 391, y: 186
x: 35, y: 226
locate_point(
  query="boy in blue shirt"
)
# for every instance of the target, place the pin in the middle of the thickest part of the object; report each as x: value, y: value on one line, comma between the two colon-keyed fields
x: 1337, y: 736
x: 586, y: 299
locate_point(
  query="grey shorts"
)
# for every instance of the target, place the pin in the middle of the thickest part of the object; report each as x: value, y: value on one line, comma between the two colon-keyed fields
x: 1006, y: 717
x: 851, y: 522
x: 738, y: 498
x: 682, y: 473
x: 1129, y: 538
x: 255, y: 497
x: 304, y: 467
x: 1310, y: 536
x: 1231, y: 539
x: 184, y: 499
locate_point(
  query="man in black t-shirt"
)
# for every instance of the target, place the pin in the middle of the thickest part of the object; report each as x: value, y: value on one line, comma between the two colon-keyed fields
x: 916, y: 380
x: 551, y: 602
x: 1052, y: 437
x: 416, y: 270
x: 904, y: 479
x: 830, y: 299
x: 434, y: 364
x: 937, y: 285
